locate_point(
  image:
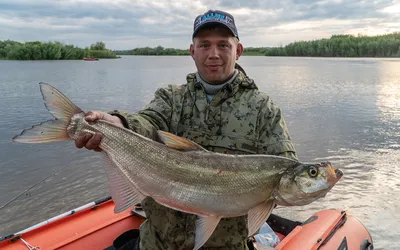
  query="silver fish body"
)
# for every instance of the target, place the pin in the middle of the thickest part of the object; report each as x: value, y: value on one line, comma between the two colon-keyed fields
x: 192, y: 180
x: 200, y: 181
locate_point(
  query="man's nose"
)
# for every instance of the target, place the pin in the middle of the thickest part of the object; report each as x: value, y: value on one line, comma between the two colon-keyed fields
x: 214, y: 53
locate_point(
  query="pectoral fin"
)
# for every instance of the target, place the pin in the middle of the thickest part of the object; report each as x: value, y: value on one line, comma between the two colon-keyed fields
x: 122, y: 192
x: 258, y: 215
x: 179, y: 143
x: 205, y: 226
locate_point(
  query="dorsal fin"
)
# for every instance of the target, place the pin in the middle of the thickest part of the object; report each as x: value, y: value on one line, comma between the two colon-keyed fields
x: 177, y: 142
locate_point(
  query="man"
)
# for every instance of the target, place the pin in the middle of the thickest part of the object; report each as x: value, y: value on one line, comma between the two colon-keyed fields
x: 219, y: 108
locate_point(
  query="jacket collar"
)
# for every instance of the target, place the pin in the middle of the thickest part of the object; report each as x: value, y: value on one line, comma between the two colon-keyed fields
x: 241, y: 81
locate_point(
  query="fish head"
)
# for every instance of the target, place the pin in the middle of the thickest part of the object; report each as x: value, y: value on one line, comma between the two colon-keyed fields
x: 306, y: 183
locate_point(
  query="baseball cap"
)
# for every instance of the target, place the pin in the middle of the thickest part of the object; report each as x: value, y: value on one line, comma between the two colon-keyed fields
x: 215, y: 17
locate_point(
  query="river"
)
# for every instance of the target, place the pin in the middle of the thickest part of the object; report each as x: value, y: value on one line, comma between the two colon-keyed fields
x: 345, y: 110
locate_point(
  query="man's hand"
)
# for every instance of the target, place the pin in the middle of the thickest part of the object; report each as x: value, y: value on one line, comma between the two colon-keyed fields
x: 92, y: 142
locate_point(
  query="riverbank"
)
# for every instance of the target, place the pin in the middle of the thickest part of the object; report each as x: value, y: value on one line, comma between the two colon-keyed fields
x: 383, y: 46
x: 336, y: 46
x: 36, y: 50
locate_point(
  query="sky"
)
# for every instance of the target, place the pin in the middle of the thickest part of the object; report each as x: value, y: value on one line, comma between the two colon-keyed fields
x: 123, y: 24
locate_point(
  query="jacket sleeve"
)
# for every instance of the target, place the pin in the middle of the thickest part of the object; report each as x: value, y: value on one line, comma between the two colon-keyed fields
x: 155, y: 116
x: 274, y: 138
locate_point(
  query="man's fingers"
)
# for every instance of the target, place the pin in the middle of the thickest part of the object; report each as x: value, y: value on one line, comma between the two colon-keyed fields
x: 92, y: 116
x: 94, y: 142
x: 82, y: 140
x: 89, y: 141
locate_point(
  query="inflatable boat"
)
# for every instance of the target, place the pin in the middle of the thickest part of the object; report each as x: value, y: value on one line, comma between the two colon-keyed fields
x: 96, y: 226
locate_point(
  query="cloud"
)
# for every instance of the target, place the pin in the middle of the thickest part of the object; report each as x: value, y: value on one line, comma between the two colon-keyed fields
x: 124, y: 24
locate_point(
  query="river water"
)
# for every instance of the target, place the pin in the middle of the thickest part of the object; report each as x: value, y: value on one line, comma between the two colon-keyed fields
x: 343, y: 110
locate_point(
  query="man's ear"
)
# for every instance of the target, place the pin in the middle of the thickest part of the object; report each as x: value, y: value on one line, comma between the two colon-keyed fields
x: 191, y: 50
x: 239, y: 50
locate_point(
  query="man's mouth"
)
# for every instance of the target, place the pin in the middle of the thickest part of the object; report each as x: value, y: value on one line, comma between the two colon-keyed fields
x: 213, y: 67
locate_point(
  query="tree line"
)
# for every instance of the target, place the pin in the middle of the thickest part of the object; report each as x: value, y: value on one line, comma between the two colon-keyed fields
x: 161, y: 51
x: 335, y: 46
x: 36, y: 50
x: 343, y: 46
x: 156, y: 51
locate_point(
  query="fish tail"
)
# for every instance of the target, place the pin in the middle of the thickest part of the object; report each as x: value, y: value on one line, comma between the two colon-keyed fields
x: 53, y: 130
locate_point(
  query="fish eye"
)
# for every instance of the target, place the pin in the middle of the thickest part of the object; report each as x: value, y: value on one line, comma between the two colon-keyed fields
x: 313, y: 172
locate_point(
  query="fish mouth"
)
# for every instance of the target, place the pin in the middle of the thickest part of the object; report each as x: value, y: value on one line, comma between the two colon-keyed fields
x: 334, y: 175
x: 339, y: 174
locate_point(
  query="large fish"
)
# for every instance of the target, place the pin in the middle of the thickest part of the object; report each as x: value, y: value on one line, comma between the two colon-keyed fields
x: 182, y: 175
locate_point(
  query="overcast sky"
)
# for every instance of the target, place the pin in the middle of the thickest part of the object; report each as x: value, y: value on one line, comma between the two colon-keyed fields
x: 124, y: 24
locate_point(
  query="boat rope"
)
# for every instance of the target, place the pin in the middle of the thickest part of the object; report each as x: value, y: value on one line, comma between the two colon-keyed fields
x: 28, y: 189
x: 29, y: 246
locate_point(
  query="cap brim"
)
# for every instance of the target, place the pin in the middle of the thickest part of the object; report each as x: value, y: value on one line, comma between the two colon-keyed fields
x: 213, y: 24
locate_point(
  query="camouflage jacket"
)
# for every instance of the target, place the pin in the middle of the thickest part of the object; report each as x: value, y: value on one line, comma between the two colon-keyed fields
x: 239, y: 120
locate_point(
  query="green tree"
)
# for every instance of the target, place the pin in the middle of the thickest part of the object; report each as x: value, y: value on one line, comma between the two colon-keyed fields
x: 343, y: 46
x: 36, y: 50
x: 98, y: 46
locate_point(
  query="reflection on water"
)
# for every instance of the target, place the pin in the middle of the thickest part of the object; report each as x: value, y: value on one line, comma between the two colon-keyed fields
x: 388, y: 103
x: 369, y: 191
x: 388, y: 99
x: 346, y: 111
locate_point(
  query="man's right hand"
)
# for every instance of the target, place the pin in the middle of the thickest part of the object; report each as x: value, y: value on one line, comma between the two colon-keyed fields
x: 92, y: 142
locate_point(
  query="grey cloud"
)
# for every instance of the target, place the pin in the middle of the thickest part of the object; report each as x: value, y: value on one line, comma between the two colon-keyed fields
x: 123, y: 21
x: 346, y: 10
x: 289, y: 11
x: 314, y: 10
x: 115, y: 20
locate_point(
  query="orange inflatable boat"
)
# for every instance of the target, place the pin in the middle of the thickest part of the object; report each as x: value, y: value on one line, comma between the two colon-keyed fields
x: 96, y: 226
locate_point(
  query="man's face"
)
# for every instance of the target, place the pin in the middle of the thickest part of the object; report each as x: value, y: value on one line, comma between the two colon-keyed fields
x: 215, y: 52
